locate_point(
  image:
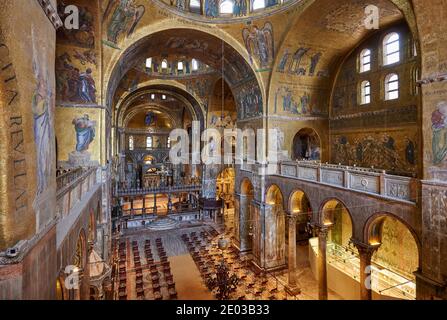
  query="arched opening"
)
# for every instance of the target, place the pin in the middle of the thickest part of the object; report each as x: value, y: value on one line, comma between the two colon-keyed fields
x: 391, y: 49
x: 243, y: 219
x: 274, y: 197
x: 306, y: 145
x: 299, y: 205
x: 274, y: 228
x: 337, y: 217
x: 395, y: 260
x: 191, y: 44
x: 225, y: 191
x: 334, y: 259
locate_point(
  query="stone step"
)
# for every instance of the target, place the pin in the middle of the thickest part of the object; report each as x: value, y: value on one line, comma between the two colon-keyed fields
x: 163, y: 223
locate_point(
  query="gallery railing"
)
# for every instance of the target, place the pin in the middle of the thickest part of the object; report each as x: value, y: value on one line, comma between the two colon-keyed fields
x: 368, y: 180
x: 125, y: 192
x: 72, y: 186
x: 372, y: 181
x: 67, y: 176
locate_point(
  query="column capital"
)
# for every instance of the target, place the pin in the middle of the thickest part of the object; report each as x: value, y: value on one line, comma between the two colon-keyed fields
x: 364, y: 248
x: 321, y: 229
x: 292, y: 217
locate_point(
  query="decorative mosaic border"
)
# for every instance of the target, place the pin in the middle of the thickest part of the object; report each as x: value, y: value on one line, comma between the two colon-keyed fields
x: 51, y: 13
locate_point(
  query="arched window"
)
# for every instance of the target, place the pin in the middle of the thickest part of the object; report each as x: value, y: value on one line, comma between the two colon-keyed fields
x: 164, y: 65
x: 149, y: 63
x: 194, y: 6
x: 195, y: 65
x: 149, y: 142
x: 168, y: 143
x: 365, y: 92
x: 414, y: 84
x: 392, y: 87
x: 391, y: 49
x: 153, y: 96
x: 131, y: 143
x: 163, y: 97
x: 365, y: 60
x: 180, y: 66
x: 226, y: 7
x: 258, y: 4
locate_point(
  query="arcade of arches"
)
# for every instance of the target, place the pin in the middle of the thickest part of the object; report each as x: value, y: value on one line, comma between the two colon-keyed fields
x: 345, y: 197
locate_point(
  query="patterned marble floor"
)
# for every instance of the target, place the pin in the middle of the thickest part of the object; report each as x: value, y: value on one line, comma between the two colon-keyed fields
x: 192, y: 285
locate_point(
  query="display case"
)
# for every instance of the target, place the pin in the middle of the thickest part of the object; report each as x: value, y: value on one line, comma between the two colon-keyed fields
x: 384, y: 281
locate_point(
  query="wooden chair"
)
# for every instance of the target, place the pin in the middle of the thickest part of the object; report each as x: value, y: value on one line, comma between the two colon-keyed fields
x: 171, y: 285
x: 158, y: 296
x: 172, y: 294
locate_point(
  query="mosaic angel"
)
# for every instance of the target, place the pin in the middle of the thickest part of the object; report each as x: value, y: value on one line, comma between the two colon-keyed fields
x: 125, y: 16
x: 259, y: 43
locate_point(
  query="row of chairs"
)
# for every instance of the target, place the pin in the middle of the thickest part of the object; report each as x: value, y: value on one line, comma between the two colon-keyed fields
x: 138, y: 271
x: 165, y: 271
x: 122, y: 274
x: 200, y: 253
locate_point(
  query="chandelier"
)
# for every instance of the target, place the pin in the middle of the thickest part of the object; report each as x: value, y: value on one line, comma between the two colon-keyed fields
x: 224, y: 282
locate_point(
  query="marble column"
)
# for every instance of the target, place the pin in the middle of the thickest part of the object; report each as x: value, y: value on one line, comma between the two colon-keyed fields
x: 245, y: 241
x: 273, y: 237
x: 431, y: 281
x: 122, y: 140
x: 169, y: 203
x: 366, y: 252
x: 155, y: 203
x: 292, y: 287
x: 322, y: 265
x: 143, y: 209
x: 122, y: 167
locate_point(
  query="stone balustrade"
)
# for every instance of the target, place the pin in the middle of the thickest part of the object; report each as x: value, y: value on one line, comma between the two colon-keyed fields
x: 65, y: 177
x: 366, y: 180
x: 72, y: 186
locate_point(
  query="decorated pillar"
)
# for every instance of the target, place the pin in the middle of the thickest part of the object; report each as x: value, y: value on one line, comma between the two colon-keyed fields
x: 366, y: 252
x: 431, y: 281
x: 121, y: 140
x: 243, y: 222
x: 122, y: 167
x: 27, y: 149
x: 292, y: 286
x: 155, y: 203
x: 209, y: 181
x: 322, y: 263
x: 273, y: 238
